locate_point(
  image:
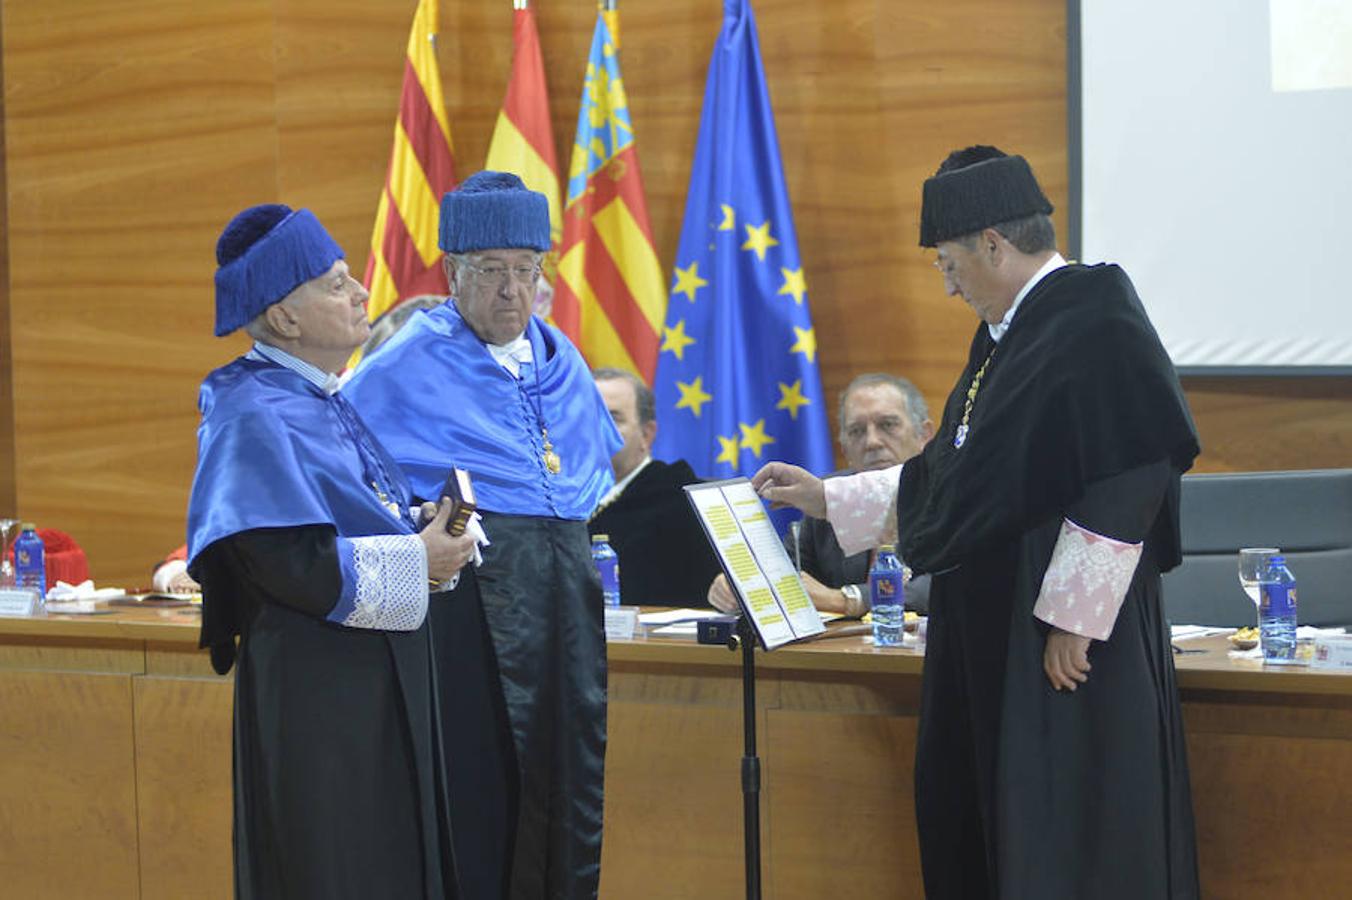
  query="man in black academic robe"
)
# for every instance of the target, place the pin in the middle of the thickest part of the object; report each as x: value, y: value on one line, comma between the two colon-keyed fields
x: 665, y: 558
x: 300, y: 533
x: 1050, y: 759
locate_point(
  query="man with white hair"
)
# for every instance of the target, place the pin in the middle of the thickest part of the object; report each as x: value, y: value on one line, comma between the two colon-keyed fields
x: 301, y: 535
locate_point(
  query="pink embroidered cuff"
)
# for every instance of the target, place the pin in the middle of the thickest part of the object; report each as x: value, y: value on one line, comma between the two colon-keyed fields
x: 862, y: 508
x: 1086, y: 582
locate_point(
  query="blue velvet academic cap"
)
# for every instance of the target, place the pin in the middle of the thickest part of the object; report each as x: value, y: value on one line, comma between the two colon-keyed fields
x: 265, y: 253
x: 493, y: 211
x: 976, y: 188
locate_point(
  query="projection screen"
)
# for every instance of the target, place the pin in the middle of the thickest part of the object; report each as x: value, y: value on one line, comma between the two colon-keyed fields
x: 1212, y: 140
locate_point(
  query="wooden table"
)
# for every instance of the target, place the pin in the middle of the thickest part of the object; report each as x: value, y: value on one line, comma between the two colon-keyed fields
x: 115, y: 767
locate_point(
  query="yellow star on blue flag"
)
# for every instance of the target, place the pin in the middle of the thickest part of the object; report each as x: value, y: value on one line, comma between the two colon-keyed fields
x: 742, y: 371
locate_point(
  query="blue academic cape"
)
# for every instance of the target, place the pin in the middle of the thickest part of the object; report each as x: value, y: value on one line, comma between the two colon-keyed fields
x: 436, y: 397
x: 276, y: 451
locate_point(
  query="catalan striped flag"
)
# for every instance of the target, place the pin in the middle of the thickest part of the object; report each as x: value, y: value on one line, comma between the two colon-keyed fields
x: 404, y: 258
x: 523, y: 139
x: 610, y: 297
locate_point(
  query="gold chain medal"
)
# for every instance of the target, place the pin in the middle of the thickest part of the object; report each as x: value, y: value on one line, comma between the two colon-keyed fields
x: 385, y: 501
x: 552, y: 461
x: 960, y: 437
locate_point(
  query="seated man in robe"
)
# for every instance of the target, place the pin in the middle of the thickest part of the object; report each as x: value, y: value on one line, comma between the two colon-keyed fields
x: 665, y: 559
x: 482, y: 384
x: 301, y: 535
x: 883, y: 421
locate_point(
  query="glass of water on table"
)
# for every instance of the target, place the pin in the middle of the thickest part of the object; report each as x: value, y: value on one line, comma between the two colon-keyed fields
x: 1253, y: 562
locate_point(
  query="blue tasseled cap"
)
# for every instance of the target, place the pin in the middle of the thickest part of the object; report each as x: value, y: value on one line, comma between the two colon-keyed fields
x: 976, y: 188
x: 493, y: 211
x: 265, y: 253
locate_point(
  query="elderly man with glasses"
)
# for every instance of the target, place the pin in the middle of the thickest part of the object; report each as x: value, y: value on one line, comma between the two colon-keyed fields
x: 480, y: 384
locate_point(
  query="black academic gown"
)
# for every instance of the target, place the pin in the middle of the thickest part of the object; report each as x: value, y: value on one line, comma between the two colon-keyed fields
x: 541, y: 631
x: 665, y: 559
x: 1024, y: 793
x: 338, y: 784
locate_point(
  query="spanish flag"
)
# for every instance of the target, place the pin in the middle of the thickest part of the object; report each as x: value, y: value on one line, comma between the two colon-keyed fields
x: 523, y: 139
x: 610, y: 296
x: 404, y: 258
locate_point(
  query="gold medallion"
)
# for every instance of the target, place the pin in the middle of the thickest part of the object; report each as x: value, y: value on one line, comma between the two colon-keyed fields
x: 552, y: 461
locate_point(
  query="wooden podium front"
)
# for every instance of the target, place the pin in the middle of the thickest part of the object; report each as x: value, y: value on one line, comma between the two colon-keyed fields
x: 115, y: 768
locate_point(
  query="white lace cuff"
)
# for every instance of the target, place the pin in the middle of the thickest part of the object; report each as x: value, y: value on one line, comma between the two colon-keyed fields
x: 384, y: 582
x: 862, y: 508
x: 1086, y: 581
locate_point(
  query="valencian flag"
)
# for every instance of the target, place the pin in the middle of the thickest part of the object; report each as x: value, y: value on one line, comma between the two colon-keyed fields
x: 610, y: 296
x: 523, y: 139
x: 404, y: 258
x: 737, y: 378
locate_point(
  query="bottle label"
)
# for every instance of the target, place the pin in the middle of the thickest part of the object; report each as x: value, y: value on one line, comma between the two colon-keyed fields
x: 1278, y: 600
x: 885, y: 589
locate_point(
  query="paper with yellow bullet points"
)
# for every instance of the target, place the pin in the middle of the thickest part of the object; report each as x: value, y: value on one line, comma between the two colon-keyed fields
x: 770, y: 589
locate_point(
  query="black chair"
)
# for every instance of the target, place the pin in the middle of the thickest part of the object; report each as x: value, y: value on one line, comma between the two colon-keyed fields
x: 1308, y: 514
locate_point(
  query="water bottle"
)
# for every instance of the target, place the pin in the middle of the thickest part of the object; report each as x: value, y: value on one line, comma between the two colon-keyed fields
x: 1277, y: 612
x: 887, y: 598
x: 30, y: 563
x: 608, y: 567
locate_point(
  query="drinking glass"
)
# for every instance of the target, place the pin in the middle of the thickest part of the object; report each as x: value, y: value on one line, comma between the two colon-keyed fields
x: 1253, y: 562
x: 6, y: 569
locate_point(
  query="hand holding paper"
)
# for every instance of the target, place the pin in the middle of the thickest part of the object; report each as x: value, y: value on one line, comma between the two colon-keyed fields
x: 784, y: 485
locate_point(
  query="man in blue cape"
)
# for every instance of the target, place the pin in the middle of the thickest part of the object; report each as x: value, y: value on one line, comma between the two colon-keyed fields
x: 301, y: 535
x: 481, y: 384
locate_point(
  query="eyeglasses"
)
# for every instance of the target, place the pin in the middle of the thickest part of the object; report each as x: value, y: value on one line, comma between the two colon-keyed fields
x: 498, y: 275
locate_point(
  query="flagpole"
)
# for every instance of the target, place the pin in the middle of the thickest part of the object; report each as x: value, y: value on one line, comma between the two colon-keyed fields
x: 520, y: 4
x: 607, y: 5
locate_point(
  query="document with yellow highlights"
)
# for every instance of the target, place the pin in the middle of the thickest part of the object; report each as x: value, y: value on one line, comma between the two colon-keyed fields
x: 767, y: 585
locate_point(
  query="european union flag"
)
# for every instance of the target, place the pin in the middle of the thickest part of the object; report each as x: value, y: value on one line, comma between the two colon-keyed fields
x: 737, y: 379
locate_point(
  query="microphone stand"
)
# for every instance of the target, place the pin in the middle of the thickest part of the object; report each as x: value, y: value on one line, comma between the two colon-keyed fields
x: 751, y: 779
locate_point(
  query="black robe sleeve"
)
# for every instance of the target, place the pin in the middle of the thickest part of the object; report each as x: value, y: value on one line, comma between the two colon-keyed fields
x: 1124, y: 506
x: 295, y: 567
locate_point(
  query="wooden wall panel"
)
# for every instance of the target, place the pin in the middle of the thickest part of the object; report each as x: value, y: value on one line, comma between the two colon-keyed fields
x: 133, y: 129
x: 1264, y: 777
x: 67, y: 787
x: 183, y: 741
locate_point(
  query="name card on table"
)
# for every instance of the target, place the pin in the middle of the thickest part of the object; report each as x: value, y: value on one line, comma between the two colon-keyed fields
x: 1332, y: 651
x: 621, y: 623
x: 18, y: 602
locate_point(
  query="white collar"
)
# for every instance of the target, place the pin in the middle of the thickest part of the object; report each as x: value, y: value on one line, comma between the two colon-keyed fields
x: 512, y: 354
x: 325, y: 381
x: 998, y: 329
